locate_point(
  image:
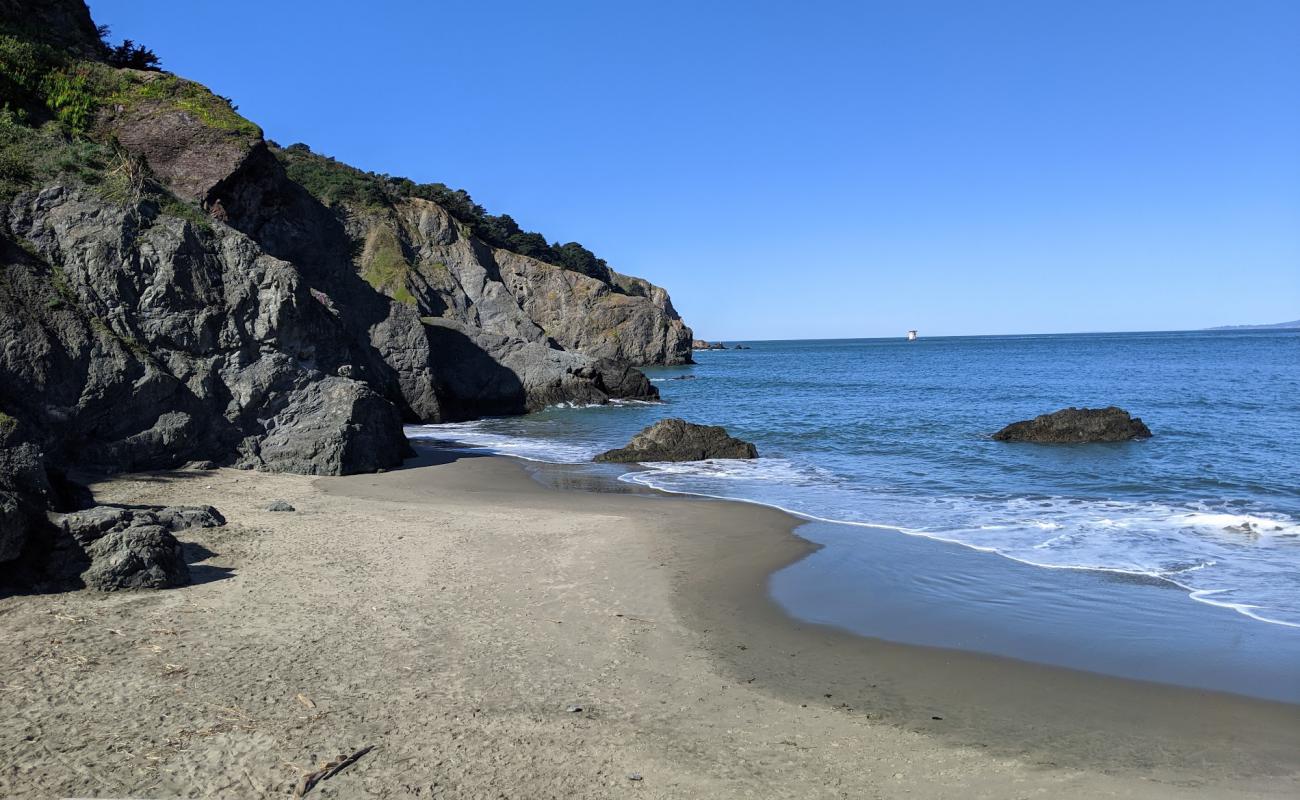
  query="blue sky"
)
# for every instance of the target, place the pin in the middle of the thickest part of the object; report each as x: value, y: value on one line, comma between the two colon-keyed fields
x: 805, y: 170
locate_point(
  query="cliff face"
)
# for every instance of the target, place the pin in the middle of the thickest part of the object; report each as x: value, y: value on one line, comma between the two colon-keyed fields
x: 169, y: 293
x: 134, y: 341
x: 446, y: 272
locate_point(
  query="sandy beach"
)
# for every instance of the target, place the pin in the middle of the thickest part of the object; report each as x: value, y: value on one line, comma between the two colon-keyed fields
x: 491, y: 636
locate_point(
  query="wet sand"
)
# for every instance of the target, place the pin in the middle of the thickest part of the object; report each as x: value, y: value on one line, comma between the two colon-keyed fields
x: 451, y: 614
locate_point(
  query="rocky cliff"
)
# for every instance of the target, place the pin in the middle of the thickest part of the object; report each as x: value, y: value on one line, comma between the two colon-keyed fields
x: 175, y: 288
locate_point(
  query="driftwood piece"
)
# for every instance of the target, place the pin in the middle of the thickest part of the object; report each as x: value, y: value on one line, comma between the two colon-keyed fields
x: 328, y: 771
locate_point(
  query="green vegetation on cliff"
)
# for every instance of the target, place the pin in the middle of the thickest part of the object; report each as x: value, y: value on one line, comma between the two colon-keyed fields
x: 56, y: 92
x: 30, y: 156
x: 133, y: 88
x: 33, y: 156
x: 51, y: 97
x: 335, y: 183
x: 385, y: 266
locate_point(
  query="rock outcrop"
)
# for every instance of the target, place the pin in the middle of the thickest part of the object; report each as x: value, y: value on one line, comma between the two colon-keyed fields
x: 135, y: 340
x: 171, y: 294
x: 679, y: 440
x: 1076, y: 426
x: 700, y: 344
x: 25, y: 494
x: 127, y: 548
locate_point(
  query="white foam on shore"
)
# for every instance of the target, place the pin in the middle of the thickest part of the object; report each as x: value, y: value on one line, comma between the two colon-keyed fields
x: 475, y: 437
x: 1210, y: 555
x: 1223, y: 559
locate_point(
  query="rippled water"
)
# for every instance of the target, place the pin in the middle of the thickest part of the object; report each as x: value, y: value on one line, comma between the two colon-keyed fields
x: 895, y: 434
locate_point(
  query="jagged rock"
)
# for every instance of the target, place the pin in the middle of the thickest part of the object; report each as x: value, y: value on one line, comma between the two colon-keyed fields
x: 136, y: 557
x: 619, y: 379
x: 679, y: 440
x: 700, y: 344
x: 194, y: 345
x: 92, y: 523
x: 451, y: 328
x: 1076, y: 426
x: 184, y: 149
x: 25, y: 494
x: 252, y: 324
x: 178, y: 518
x: 331, y: 426
x: 133, y: 548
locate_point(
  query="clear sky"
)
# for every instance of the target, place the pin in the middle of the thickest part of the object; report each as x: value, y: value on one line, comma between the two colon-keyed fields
x: 819, y: 169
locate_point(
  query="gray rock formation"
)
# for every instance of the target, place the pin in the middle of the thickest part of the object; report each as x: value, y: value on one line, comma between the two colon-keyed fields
x: 124, y: 548
x: 137, y: 557
x: 1076, y: 426
x: 700, y: 344
x: 191, y: 303
x: 679, y: 440
x: 134, y: 342
x: 25, y: 493
x: 418, y: 252
x: 179, y: 518
x: 455, y: 328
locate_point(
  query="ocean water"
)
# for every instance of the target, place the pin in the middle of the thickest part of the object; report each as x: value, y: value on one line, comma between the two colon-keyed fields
x: 890, y: 435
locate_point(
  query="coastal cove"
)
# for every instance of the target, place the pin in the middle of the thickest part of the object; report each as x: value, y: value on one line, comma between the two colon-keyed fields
x: 649, y: 612
x: 322, y: 477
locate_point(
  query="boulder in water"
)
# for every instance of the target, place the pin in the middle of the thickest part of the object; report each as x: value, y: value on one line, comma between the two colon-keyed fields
x: 679, y: 440
x: 1077, y: 426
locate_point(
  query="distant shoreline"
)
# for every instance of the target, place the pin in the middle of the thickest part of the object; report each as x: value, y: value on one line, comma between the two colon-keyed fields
x: 902, y: 337
x: 1276, y: 326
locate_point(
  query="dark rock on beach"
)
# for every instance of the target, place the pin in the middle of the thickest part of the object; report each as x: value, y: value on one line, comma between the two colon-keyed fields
x: 679, y: 440
x: 178, y: 518
x: 25, y: 493
x: 137, y: 557
x: 1077, y: 426
x: 133, y: 548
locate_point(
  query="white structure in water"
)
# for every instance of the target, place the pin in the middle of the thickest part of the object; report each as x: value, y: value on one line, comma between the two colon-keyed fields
x: 911, y: 336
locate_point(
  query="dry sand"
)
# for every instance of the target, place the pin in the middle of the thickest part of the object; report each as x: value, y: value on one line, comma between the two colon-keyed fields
x: 449, y: 615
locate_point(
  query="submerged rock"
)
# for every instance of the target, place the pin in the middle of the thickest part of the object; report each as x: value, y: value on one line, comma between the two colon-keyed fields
x: 1077, y: 426
x: 679, y: 440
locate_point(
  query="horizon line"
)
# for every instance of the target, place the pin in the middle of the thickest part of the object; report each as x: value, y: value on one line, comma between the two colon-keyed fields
x: 1220, y: 329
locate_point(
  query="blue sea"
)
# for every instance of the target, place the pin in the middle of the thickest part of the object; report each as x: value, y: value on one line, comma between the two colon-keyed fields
x: 886, y: 438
